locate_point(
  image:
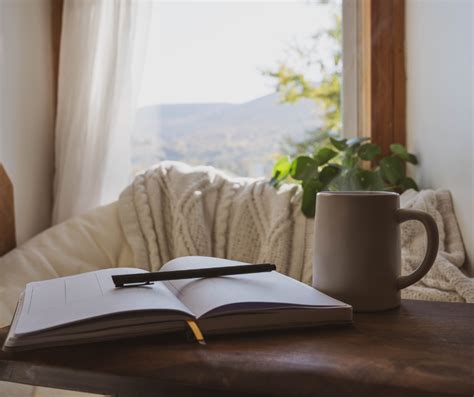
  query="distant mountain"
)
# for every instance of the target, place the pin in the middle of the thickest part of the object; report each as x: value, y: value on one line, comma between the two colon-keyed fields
x: 241, y: 138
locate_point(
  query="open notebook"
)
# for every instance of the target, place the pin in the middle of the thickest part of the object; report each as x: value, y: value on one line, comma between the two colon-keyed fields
x: 88, y: 308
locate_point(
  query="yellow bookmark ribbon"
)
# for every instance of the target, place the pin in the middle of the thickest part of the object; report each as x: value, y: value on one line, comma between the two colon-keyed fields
x: 196, y: 332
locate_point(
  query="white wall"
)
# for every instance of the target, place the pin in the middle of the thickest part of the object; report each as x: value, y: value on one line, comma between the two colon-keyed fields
x: 439, y: 44
x: 26, y: 109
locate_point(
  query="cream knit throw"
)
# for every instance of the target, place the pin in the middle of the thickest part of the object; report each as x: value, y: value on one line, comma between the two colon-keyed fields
x: 176, y: 210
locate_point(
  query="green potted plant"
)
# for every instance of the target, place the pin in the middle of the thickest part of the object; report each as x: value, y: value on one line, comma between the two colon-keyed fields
x: 345, y: 164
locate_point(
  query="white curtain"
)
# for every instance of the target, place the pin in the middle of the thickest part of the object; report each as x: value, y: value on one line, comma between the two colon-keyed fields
x: 102, y: 52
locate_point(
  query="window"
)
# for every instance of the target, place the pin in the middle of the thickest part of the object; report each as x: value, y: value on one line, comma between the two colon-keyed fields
x: 215, y: 76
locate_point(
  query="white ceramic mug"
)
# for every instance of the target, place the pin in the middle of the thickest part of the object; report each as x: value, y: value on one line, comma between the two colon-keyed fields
x: 357, y: 254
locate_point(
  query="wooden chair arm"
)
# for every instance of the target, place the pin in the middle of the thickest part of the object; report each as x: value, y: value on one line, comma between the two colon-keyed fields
x: 7, y: 214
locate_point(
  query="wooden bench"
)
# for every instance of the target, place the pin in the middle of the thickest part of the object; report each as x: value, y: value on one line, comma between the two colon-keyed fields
x: 420, y: 349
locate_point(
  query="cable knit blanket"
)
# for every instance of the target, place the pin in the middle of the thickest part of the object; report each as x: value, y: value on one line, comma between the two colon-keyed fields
x: 176, y: 210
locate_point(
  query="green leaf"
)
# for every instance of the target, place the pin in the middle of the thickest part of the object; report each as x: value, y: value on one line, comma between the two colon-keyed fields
x: 303, y: 167
x: 367, y: 180
x: 408, y: 183
x: 392, y: 169
x: 328, y: 173
x: 280, y: 171
x: 324, y: 155
x: 339, y: 143
x: 412, y: 159
x: 308, y: 203
x: 399, y: 150
x: 369, y: 151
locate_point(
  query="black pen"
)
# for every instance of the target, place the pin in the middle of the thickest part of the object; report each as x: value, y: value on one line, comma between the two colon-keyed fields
x: 124, y: 280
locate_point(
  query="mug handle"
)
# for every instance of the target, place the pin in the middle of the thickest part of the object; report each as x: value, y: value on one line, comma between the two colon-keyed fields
x: 429, y: 223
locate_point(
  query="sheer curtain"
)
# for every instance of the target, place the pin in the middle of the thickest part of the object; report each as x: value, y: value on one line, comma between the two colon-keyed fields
x: 102, y: 51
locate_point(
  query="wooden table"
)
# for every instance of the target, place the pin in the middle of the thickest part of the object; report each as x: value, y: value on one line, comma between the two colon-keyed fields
x: 422, y: 349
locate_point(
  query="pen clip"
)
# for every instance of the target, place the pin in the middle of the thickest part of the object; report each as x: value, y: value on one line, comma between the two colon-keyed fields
x: 132, y: 284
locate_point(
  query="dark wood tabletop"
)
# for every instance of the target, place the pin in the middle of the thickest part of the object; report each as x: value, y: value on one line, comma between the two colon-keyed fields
x: 422, y: 349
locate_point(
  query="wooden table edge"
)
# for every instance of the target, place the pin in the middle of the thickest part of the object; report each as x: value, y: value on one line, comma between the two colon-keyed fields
x: 106, y: 383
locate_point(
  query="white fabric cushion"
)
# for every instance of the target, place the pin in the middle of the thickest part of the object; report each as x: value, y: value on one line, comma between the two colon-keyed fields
x: 88, y: 242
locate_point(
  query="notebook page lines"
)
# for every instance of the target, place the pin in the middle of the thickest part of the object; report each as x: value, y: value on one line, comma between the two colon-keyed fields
x: 64, y: 292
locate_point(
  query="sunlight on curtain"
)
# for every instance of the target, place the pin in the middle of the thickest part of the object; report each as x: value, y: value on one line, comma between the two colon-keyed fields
x: 103, y: 45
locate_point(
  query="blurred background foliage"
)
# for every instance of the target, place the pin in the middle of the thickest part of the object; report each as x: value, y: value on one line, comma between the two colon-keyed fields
x: 324, y: 159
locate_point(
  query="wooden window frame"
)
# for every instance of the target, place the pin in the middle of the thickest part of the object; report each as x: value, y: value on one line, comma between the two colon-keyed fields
x: 374, y: 77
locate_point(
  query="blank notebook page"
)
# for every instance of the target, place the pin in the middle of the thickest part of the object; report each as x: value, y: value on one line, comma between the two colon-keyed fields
x: 59, y: 301
x: 205, y: 294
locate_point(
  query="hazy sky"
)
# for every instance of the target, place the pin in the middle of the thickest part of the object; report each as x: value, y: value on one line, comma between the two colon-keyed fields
x: 215, y: 51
